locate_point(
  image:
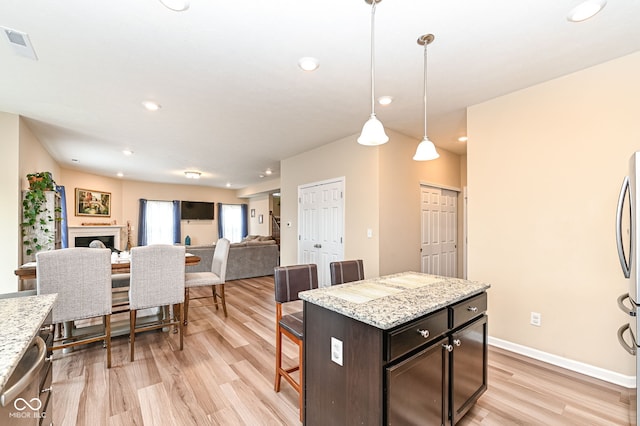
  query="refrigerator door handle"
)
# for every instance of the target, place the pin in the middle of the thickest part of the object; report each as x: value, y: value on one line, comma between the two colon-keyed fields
x: 624, y: 307
x: 623, y: 343
x: 626, y: 267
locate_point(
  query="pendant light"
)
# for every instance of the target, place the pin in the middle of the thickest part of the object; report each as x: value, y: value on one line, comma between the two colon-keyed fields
x: 426, y: 149
x: 373, y: 132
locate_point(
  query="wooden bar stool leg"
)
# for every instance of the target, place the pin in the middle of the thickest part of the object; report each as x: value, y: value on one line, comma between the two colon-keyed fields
x: 132, y: 332
x: 301, y: 379
x: 222, y: 299
x: 215, y: 295
x: 186, y: 305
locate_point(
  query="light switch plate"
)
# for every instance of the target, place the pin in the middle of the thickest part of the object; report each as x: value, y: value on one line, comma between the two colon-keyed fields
x: 336, y: 351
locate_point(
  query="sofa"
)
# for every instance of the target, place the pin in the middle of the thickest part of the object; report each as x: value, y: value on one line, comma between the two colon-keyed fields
x: 250, y: 258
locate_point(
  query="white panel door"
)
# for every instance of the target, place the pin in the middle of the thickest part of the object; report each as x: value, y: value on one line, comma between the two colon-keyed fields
x: 438, y: 212
x: 321, y: 230
x: 449, y: 233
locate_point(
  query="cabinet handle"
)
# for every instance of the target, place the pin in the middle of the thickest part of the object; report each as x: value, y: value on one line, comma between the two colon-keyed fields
x: 49, y: 389
x: 457, y: 342
x: 472, y: 309
x: 448, y: 348
x: 424, y: 333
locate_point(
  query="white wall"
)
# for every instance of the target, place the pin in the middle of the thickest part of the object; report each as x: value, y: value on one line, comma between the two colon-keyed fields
x: 10, y: 196
x: 260, y: 205
x: 544, y: 168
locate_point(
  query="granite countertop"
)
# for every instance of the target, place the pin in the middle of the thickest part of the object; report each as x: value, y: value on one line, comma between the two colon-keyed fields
x: 20, y: 320
x: 392, y: 300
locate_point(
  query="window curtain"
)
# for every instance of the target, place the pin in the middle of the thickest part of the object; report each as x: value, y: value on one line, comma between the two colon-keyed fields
x: 220, y: 219
x: 244, y: 208
x: 159, y: 222
x: 142, y: 223
x: 232, y: 221
x: 64, y: 225
x: 176, y: 222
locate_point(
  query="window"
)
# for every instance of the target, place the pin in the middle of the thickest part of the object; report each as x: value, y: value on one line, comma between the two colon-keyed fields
x: 232, y: 221
x: 159, y: 222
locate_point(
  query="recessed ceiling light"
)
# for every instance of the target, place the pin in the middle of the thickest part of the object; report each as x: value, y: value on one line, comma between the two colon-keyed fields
x: 127, y: 152
x: 120, y: 174
x: 151, y: 106
x: 385, y: 100
x: 268, y: 172
x: 228, y: 185
x: 586, y: 10
x: 308, y: 63
x: 192, y: 174
x: 462, y: 139
x: 176, y: 5
x: 261, y: 176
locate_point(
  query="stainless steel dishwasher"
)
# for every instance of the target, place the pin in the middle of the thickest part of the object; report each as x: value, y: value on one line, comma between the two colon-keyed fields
x: 22, y: 400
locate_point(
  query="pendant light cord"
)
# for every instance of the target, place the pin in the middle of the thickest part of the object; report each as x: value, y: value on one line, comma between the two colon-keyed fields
x: 373, y: 12
x: 425, y: 90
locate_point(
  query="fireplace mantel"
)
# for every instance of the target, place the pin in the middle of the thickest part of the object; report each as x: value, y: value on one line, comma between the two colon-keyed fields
x: 96, y: 231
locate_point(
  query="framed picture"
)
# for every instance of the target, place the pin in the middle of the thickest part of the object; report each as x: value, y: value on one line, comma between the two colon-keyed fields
x: 253, y: 212
x: 260, y: 219
x: 92, y: 203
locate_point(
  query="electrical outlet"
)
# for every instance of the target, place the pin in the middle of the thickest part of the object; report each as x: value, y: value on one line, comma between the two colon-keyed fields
x: 536, y: 319
x: 336, y: 351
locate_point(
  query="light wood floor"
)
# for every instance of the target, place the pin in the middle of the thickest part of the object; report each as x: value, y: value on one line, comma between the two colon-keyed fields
x: 225, y: 374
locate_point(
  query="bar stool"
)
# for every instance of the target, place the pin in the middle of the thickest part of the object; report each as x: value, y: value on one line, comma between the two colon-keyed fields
x: 346, y: 271
x: 289, y: 281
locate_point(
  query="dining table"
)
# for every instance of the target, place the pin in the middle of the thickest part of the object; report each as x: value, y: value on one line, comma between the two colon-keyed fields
x: 119, y: 265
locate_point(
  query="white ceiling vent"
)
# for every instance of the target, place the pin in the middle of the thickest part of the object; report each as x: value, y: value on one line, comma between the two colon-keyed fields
x: 20, y: 43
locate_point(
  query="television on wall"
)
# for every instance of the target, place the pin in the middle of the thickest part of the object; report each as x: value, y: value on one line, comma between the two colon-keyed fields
x: 196, y: 210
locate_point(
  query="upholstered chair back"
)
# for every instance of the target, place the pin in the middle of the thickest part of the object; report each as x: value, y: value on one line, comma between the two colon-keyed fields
x: 82, y: 278
x: 346, y: 271
x: 220, y: 256
x: 291, y: 280
x: 157, y: 276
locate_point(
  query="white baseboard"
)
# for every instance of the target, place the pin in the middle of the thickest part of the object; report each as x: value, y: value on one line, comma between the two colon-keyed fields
x: 578, y: 367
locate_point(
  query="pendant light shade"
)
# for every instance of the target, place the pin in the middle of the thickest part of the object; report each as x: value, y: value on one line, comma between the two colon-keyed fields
x: 426, y: 149
x: 373, y: 132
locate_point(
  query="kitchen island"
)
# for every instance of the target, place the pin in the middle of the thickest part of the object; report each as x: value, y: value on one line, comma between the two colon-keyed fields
x: 407, y: 348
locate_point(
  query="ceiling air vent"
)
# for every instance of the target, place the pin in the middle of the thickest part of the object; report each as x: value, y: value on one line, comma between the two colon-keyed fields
x: 20, y: 43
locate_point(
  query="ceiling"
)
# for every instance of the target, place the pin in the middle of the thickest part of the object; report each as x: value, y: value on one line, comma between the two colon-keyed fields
x: 234, y: 101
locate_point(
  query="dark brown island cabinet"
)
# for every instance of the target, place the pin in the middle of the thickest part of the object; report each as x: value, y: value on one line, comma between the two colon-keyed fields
x: 428, y: 370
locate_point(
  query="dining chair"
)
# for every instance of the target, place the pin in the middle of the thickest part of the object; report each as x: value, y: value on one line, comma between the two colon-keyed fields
x: 289, y: 281
x: 346, y: 271
x: 214, y: 278
x: 81, y: 277
x: 157, y: 280
x: 119, y: 284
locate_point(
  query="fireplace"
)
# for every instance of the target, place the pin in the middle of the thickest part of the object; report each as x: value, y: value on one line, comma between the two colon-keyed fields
x: 108, y: 240
x: 81, y: 236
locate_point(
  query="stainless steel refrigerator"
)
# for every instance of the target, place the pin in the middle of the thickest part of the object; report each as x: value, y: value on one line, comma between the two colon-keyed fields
x: 627, y: 238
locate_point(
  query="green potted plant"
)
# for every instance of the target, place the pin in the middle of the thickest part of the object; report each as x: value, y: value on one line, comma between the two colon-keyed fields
x: 37, y: 232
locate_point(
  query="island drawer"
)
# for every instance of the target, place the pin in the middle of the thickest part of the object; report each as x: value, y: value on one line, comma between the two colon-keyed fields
x: 468, y: 309
x: 415, y: 334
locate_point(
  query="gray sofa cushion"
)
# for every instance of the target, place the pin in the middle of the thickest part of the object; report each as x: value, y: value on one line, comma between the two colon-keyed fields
x: 245, y: 260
